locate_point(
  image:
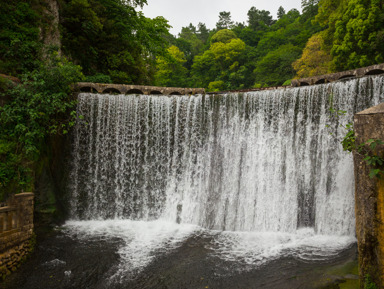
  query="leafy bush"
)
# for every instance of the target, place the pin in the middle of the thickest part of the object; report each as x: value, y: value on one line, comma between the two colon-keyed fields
x: 40, y: 106
x: 287, y: 82
x: 19, y: 36
x: 216, y: 85
x: 99, y: 78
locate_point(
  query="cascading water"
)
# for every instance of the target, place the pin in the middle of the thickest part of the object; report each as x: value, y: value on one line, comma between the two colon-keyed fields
x: 263, y: 162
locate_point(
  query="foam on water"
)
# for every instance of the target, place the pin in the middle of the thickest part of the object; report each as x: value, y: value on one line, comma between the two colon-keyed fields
x: 257, y: 248
x: 142, y: 241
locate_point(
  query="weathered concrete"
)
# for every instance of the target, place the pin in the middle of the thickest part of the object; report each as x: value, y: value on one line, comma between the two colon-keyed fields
x: 369, y: 198
x: 134, y: 89
x: 16, y: 230
x: 369, y: 70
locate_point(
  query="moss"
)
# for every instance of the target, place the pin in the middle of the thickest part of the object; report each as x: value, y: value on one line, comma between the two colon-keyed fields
x: 348, y: 268
x: 343, y: 276
x: 368, y: 283
x: 350, y: 284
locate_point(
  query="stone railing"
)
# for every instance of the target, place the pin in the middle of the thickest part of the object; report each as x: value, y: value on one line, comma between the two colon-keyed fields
x: 359, y: 72
x: 134, y: 89
x: 16, y: 230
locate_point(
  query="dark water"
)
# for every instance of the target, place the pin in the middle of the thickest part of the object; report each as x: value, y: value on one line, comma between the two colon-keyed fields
x: 63, y: 261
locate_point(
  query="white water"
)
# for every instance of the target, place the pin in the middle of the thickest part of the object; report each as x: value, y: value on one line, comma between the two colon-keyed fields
x: 262, y: 162
x: 142, y: 240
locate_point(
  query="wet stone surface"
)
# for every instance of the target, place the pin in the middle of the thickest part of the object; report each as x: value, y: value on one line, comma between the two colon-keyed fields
x: 60, y: 261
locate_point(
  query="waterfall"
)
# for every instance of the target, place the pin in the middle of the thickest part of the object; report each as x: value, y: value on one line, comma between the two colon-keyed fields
x: 257, y: 161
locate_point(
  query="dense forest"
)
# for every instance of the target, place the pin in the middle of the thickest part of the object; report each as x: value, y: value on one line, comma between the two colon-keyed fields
x: 111, y: 41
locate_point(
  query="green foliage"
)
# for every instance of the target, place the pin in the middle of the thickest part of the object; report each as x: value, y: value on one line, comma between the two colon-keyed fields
x: 353, y: 32
x: 367, y: 149
x: 216, y: 85
x: 287, y: 82
x: 225, y: 21
x: 276, y: 66
x: 38, y: 107
x: 315, y: 60
x: 19, y: 35
x: 368, y: 283
x: 240, y: 56
x: 170, y: 70
x: 220, y: 62
x: 349, y: 140
x: 357, y: 35
x: 119, y: 41
x: 259, y: 19
x: 224, y: 36
x: 98, y: 78
x: 280, y: 12
x: 4, y: 84
x: 191, y: 42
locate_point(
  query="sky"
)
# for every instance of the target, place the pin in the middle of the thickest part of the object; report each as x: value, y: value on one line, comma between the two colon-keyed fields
x: 180, y: 13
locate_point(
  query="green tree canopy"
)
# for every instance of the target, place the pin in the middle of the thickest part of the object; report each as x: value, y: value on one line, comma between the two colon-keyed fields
x: 259, y: 19
x: 170, y: 70
x: 277, y: 65
x: 120, y: 41
x: 219, y: 61
x: 224, y: 36
x: 358, y: 35
x: 280, y: 12
x: 225, y: 21
x: 20, y: 48
x: 314, y: 60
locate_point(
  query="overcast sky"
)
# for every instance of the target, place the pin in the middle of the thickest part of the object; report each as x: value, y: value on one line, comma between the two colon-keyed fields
x: 180, y: 13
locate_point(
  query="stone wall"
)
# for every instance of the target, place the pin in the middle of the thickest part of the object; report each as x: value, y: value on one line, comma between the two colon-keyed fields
x: 369, y: 198
x: 16, y: 230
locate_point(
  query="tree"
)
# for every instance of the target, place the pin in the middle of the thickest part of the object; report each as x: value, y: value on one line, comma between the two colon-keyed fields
x: 357, y: 36
x: 120, y: 41
x: 225, y: 21
x: 276, y: 67
x: 170, y: 70
x: 202, y: 32
x: 259, y: 19
x: 189, y: 43
x: 19, y: 37
x: 280, y: 12
x: 40, y: 106
x: 223, y: 36
x: 314, y: 60
x: 219, y: 61
x: 353, y: 32
x: 309, y: 8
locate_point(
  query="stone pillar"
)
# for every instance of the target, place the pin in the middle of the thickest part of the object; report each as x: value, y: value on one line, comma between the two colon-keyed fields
x: 369, y: 198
